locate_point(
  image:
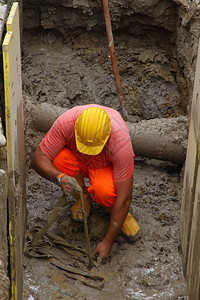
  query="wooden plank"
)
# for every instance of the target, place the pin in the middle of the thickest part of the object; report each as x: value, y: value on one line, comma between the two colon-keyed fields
x: 190, y: 206
x: 15, y: 148
x: 192, y: 270
x: 7, y: 47
x: 188, y: 195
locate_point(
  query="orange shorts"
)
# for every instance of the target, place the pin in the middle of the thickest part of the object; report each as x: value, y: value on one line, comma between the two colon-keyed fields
x: 101, y: 180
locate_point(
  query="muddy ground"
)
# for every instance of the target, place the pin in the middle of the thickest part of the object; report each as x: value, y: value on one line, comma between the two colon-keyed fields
x: 77, y: 70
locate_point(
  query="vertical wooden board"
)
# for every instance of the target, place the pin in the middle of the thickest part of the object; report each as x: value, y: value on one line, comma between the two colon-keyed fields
x: 190, y: 208
x: 188, y: 194
x: 12, y: 23
x: 15, y: 148
x: 193, y: 272
x: 15, y: 85
x: 7, y: 47
x: 195, y: 110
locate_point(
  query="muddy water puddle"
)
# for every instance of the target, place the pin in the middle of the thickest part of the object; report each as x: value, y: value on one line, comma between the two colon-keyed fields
x: 75, y: 73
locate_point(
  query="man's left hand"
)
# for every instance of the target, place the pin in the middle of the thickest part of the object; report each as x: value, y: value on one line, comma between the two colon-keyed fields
x: 103, y: 248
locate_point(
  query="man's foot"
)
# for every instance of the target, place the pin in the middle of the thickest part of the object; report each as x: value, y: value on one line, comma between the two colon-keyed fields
x: 76, y: 209
x: 131, y: 229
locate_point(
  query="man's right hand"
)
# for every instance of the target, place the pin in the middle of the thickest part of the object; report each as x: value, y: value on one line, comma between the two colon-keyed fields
x: 69, y: 184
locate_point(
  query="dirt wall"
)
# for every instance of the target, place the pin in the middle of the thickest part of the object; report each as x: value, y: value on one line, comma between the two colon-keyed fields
x: 4, y: 279
x: 176, y: 20
x: 4, y: 276
x: 161, y: 39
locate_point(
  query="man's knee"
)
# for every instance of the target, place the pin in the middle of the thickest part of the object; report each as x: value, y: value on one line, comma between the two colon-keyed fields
x: 103, y: 194
x: 66, y: 162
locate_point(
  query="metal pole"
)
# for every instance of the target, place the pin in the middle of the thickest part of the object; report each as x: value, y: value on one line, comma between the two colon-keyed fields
x: 114, y: 60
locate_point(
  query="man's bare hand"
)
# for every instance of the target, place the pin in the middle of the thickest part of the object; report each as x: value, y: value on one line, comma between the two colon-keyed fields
x: 103, y: 249
x: 66, y: 188
x: 69, y: 184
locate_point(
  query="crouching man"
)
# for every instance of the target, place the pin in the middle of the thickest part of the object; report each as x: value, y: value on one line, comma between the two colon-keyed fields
x: 92, y: 141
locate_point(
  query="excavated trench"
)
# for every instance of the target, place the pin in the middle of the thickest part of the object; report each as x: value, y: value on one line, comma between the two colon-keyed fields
x: 70, y: 65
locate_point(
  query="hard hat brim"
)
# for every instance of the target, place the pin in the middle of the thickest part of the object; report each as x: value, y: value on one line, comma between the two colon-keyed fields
x: 92, y: 150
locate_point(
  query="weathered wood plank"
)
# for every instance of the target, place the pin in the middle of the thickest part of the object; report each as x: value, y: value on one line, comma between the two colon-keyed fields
x: 192, y: 269
x: 189, y: 185
x: 190, y: 206
x: 15, y: 149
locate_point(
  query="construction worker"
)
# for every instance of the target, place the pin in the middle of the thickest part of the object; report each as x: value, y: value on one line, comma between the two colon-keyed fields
x: 92, y: 141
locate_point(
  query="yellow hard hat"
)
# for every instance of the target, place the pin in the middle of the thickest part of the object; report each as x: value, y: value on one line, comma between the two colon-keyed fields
x: 92, y: 130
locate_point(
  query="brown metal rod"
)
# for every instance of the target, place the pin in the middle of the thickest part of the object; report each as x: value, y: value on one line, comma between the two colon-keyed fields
x: 114, y: 60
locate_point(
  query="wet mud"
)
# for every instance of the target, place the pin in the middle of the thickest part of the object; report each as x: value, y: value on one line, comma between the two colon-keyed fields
x: 78, y: 71
x: 150, y: 268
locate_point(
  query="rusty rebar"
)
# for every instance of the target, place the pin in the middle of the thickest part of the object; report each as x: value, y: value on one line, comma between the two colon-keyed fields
x: 114, y: 60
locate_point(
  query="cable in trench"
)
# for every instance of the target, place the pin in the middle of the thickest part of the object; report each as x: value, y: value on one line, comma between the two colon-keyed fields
x: 37, y: 247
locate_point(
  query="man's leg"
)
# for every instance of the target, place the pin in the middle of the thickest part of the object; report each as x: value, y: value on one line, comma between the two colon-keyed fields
x: 67, y: 163
x: 102, y: 186
x: 103, y: 192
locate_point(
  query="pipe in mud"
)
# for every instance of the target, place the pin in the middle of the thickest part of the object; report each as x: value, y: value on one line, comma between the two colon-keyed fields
x: 162, y: 139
